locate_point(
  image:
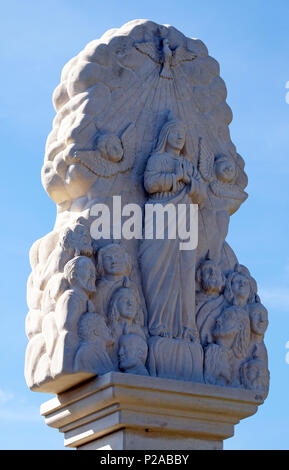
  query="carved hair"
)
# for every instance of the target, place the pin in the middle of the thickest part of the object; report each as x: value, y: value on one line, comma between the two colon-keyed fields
x: 261, y: 381
x: 257, y: 307
x: 242, y: 336
x: 142, y: 346
x: 240, y: 332
x: 102, y: 142
x: 242, y: 339
x: 67, y: 237
x: 91, y: 324
x: 99, y: 265
x: 200, y: 268
x: 164, y: 133
x: 113, y: 312
x: 217, y: 365
x: 71, y: 266
x: 240, y: 270
x: 221, y: 157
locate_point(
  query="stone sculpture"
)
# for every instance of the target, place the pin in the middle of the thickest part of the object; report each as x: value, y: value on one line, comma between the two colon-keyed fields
x: 124, y: 316
x: 95, y: 338
x: 141, y: 114
x: 113, y: 269
x: 132, y: 354
x: 231, y: 336
x: 210, y: 298
x: 170, y: 178
x: 167, y: 57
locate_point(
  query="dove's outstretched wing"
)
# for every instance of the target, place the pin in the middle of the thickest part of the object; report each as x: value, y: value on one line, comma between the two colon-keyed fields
x: 182, y: 55
x: 206, y: 161
x: 149, y: 49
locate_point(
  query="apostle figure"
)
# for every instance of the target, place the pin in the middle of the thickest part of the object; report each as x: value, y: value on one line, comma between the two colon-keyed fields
x: 124, y: 316
x: 255, y: 376
x: 132, y: 354
x: 92, y: 355
x: 75, y: 301
x: 240, y: 287
x: 209, y: 299
x: 113, y: 269
x: 231, y: 336
x: 73, y: 241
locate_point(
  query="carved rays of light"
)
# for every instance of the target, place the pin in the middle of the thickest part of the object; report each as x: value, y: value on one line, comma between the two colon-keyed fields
x: 138, y: 95
x: 131, y: 99
x: 135, y: 100
x: 151, y: 96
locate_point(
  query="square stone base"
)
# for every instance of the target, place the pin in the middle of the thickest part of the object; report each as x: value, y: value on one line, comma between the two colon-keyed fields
x: 131, y: 412
x: 127, y: 439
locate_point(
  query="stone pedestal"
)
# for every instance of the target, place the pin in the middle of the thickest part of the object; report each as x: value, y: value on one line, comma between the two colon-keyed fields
x: 130, y: 412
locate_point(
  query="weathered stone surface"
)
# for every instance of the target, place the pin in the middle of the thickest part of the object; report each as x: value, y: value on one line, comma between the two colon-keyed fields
x: 141, y: 114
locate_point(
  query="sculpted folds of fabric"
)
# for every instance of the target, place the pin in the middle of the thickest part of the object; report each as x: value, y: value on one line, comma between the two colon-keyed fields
x: 141, y: 113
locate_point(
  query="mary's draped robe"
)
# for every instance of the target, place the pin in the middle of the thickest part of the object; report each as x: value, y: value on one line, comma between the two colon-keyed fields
x: 168, y: 273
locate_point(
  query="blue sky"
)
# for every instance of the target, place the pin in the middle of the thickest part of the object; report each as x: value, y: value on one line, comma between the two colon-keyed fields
x: 250, y: 40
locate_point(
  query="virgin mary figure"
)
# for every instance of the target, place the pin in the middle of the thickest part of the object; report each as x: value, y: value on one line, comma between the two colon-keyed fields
x: 168, y: 273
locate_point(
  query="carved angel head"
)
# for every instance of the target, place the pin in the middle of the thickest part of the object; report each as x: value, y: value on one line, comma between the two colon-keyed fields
x: 225, y: 168
x: 110, y: 147
x: 221, y: 170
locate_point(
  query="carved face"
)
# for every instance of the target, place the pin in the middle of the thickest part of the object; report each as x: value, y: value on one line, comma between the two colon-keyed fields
x: 82, y: 239
x: 241, y: 287
x: 177, y: 136
x: 114, y: 262
x: 211, y: 278
x: 127, y: 353
x: 255, y: 375
x: 114, y: 150
x: 92, y: 326
x: 127, y: 304
x: 259, y: 319
x: 252, y: 372
x: 225, y: 170
x: 85, y: 274
x: 103, y: 331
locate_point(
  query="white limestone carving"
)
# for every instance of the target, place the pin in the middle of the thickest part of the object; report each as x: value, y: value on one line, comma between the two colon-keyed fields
x: 141, y: 113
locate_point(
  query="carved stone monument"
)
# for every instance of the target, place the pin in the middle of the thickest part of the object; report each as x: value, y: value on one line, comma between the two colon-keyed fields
x: 148, y: 343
